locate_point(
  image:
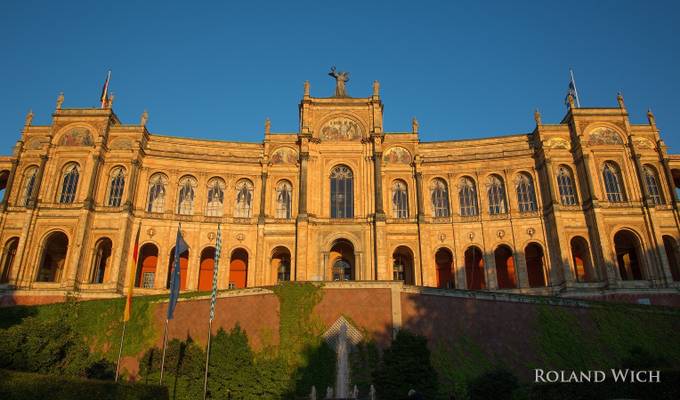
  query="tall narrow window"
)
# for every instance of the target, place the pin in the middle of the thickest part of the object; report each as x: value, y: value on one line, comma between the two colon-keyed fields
x: 244, y: 199
x: 185, y: 198
x: 69, y: 184
x: 526, y: 195
x: 156, y: 202
x: 496, y: 195
x: 565, y: 184
x: 652, y: 183
x: 467, y: 197
x: 284, y: 199
x: 215, y: 206
x: 116, y: 186
x: 342, y: 192
x: 612, y: 183
x: 29, y: 185
x: 399, y: 199
x: 439, y: 194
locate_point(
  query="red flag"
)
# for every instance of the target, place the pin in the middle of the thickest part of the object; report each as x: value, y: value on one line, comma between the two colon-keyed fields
x: 105, y: 90
x: 131, y: 278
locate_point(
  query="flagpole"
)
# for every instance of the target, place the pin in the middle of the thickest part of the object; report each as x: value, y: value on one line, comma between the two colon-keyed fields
x: 578, y: 103
x: 120, y: 350
x: 213, y: 299
x: 207, y: 360
x: 165, y: 346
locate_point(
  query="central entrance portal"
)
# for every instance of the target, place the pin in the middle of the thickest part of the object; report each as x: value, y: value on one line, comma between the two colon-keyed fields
x: 342, y: 263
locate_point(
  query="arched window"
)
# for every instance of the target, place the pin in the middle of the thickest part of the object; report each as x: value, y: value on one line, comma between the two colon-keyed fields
x: 244, y: 199
x: 652, y: 183
x: 565, y: 184
x: 116, y: 186
x: 100, y: 262
x: 29, y: 185
x: 156, y: 202
x: 496, y: 195
x: 439, y: 193
x: 185, y: 197
x: 280, y: 263
x: 467, y: 197
x: 8, y: 259
x: 342, y: 192
x: 399, y: 199
x: 526, y: 195
x: 215, y: 206
x: 54, y: 251
x: 69, y: 184
x: 612, y: 183
x: 284, y: 200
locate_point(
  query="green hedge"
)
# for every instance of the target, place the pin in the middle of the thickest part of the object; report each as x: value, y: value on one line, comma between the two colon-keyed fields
x: 29, y: 386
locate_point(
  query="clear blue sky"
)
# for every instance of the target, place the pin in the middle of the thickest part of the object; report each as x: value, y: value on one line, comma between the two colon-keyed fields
x: 218, y: 70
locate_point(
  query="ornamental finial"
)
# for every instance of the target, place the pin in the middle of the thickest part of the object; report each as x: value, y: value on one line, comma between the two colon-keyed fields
x: 60, y: 100
x: 144, y: 118
x: 650, y: 117
x: 29, y: 118
x: 537, y: 117
x: 619, y: 99
x: 267, y: 126
x: 414, y: 125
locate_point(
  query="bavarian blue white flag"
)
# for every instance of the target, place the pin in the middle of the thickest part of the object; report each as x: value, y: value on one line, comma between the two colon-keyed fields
x: 180, y: 247
x: 218, y: 250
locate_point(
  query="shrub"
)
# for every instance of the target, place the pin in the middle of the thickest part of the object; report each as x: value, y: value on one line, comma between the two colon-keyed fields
x: 498, y: 384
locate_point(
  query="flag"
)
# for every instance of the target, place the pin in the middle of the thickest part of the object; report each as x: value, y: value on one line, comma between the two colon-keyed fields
x: 180, y: 247
x: 218, y: 250
x: 571, y: 90
x: 131, y: 277
x: 105, y: 90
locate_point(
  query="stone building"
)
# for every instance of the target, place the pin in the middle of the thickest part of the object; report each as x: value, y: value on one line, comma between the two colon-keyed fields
x: 588, y: 204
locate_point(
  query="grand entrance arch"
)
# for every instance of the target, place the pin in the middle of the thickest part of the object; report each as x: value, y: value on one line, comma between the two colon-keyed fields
x: 402, y: 265
x: 342, y: 263
x: 238, y: 269
x: 444, y: 260
x: 628, y: 255
x: 206, y: 269
x: 53, y: 258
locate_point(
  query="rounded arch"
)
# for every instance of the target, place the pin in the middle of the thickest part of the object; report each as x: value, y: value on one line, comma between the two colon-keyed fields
x: 114, y: 193
x: 147, y: 261
x: 581, y: 260
x: 341, y: 191
x: 68, y: 185
x: 280, y: 262
x: 495, y: 194
x: 399, y: 198
x: 101, y: 261
x: 8, y: 255
x: 28, y: 185
x: 206, y: 268
x: 439, y: 197
x: 215, y: 199
x: 284, y: 199
x: 53, y: 257
x: 526, y: 192
x: 535, y: 260
x: 670, y: 244
x: 629, y: 254
x: 343, y: 133
x: 158, y: 183
x: 403, y: 265
x: 238, y: 268
x: 342, y: 261
x: 342, y: 235
x: 244, y: 189
x: 4, y: 177
x: 75, y: 134
x: 183, y: 268
x: 474, y: 268
x: 604, y: 133
x: 443, y: 259
x: 566, y: 185
x: 505, y: 267
x: 612, y: 178
x: 650, y: 176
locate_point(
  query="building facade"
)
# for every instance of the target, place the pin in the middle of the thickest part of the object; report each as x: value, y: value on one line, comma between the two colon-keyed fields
x: 586, y: 204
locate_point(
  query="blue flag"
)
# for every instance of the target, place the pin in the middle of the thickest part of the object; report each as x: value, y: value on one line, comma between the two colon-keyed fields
x: 218, y: 251
x: 180, y: 247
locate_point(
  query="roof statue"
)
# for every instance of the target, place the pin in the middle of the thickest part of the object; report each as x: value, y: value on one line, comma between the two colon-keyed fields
x: 376, y: 88
x: 306, y: 93
x: 650, y: 117
x: 619, y: 99
x: 144, y: 119
x: 267, y: 126
x: 340, y: 79
x: 29, y: 118
x: 537, y: 117
x: 60, y: 100
x: 414, y: 125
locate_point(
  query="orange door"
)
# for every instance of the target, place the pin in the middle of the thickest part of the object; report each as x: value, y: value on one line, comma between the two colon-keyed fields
x: 238, y: 272
x: 205, y: 274
x: 183, y: 271
x: 443, y: 275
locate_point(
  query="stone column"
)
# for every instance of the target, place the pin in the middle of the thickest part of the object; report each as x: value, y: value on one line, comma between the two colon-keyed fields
x: 263, y: 197
x: 10, y: 182
x: 132, y: 185
x: 551, y: 183
x: 589, y: 179
x: 377, y: 176
x: 419, y: 195
x: 94, y: 177
x: 302, y: 209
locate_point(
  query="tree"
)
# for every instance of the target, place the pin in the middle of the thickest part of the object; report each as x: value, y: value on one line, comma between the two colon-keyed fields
x: 405, y: 366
